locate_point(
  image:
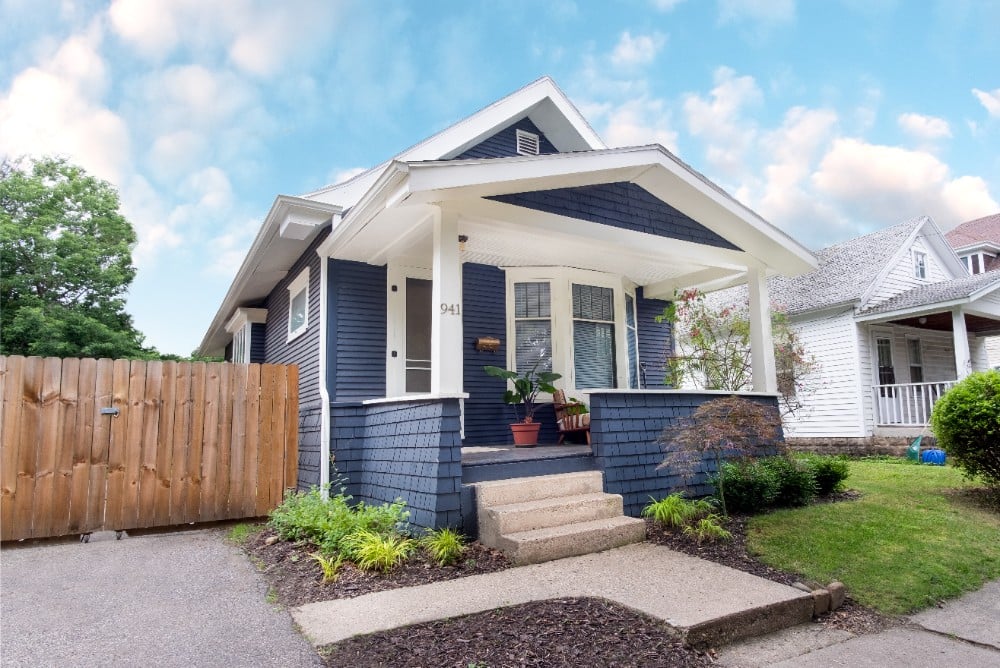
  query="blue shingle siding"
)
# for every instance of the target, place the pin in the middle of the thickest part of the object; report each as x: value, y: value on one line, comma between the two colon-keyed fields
x: 622, y: 205
x: 504, y: 143
x: 258, y: 343
x: 624, y: 429
x: 357, y: 330
x: 303, y: 351
x: 410, y: 449
x: 655, y: 341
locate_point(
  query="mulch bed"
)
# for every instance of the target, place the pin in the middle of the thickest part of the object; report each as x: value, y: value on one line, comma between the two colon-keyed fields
x: 580, y: 632
x: 560, y: 632
x: 296, y: 578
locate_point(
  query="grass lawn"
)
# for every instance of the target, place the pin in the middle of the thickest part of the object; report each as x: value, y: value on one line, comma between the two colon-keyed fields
x: 910, y: 541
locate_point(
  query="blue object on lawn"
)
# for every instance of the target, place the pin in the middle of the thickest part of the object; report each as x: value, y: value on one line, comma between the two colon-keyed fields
x: 935, y: 457
x: 913, y: 452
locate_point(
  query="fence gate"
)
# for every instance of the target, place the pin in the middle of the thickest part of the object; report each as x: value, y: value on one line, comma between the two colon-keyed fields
x: 120, y: 444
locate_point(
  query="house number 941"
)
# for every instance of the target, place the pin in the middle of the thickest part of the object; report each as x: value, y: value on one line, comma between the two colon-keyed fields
x: 451, y: 309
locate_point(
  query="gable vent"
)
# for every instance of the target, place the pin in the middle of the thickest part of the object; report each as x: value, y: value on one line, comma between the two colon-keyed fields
x: 527, y: 143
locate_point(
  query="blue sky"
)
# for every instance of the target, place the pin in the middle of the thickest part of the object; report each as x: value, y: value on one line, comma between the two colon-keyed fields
x: 831, y: 119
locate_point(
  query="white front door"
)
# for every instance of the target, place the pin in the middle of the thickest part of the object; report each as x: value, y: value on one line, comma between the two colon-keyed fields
x: 408, y: 344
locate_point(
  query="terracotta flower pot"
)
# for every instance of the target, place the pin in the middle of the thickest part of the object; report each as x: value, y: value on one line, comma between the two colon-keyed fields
x: 525, y: 433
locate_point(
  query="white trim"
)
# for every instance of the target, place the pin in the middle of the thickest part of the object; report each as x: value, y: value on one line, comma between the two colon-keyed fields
x: 741, y: 393
x: 299, y: 285
x: 561, y: 280
x: 397, y: 271
x: 244, y: 316
x: 919, y: 263
x: 324, y: 389
x: 427, y: 396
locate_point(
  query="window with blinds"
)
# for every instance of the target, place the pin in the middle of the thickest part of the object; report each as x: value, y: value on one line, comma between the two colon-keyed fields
x: 533, y: 326
x: 593, y: 336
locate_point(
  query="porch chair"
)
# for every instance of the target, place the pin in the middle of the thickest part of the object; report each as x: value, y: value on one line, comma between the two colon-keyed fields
x: 567, y: 423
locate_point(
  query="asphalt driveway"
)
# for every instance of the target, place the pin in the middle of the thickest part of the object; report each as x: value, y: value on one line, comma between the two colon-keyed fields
x: 168, y: 599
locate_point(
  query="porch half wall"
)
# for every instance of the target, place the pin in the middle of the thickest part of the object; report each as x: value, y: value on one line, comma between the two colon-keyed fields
x: 625, y: 428
x: 409, y: 449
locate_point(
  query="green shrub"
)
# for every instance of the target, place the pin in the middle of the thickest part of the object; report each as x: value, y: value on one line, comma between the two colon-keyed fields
x: 966, y: 422
x: 796, y: 484
x: 329, y: 565
x: 327, y: 522
x: 675, y: 511
x: 708, y: 529
x: 372, y: 551
x: 444, y: 545
x: 828, y: 472
x: 750, y: 486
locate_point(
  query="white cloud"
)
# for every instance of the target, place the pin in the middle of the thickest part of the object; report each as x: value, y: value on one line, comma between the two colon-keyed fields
x: 990, y: 100
x: 637, y: 122
x: 55, y: 107
x: 635, y: 51
x: 718, y: 119
x: 666, y: 5
x: 175, y: 153
x: 922, y: 127
x: 149, y: 25
x: 341, y: 175
x: 230, y: 247
x: 887, y: 184
x: 767, y: 11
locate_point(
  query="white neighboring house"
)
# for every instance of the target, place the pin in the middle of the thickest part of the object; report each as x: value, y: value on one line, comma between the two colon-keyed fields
x: 977, y: 243
x: 893, y: 319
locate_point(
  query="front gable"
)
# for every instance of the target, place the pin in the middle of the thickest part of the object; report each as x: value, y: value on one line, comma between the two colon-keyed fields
x: 623, y: 205
x: 503, y: 144
x: 901, y: 274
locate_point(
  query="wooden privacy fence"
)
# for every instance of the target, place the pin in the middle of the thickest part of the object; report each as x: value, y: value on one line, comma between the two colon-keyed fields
x: 119, y: 444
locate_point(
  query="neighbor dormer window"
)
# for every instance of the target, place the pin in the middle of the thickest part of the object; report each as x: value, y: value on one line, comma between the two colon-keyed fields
x: 298, y: 305
x: 527, y: 143
x: 920, y: 264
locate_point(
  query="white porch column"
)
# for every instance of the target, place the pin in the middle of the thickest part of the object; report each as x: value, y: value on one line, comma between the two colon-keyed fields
x: 960, y: 338
x: 446, y: 306
x: 765, y: 378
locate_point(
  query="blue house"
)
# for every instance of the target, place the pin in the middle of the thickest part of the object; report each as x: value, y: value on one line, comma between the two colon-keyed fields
x: 518, y: 224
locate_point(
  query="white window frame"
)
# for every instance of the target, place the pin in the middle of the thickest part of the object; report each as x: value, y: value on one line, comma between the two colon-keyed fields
x: 634, y: 326
x: 299, y: 285
x: 920, y: 264
x: 561, y: 280
x: 241, y: 327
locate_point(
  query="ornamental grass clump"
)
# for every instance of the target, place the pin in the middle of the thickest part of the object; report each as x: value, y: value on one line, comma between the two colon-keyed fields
x: 727, y: 428
x: 445, y: 546
x: 966, y: 422
x: 675, y: 511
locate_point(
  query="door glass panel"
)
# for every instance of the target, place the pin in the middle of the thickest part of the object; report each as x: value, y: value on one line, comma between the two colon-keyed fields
x: 418, y: 335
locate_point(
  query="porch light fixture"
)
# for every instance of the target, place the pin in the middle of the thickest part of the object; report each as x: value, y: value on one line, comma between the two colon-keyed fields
x: 487, y: 344
x: 922, y: 320
x: 462, y: 238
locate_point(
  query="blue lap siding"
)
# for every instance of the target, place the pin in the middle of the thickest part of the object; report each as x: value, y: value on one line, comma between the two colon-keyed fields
x: 655, y: 342
x: 503, y: 144
x: 622, y: 205
x: 357, y: 330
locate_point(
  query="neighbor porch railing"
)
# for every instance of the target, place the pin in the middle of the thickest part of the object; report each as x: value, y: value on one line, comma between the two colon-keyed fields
x: 907, y: 404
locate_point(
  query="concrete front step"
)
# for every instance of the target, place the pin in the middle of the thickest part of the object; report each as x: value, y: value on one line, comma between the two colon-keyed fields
x: 515, y: 517
x: 519, y: 490
x: 570, y: 540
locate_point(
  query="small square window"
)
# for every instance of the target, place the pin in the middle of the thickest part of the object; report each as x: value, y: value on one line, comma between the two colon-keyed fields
x: 920, y: 264
x: 298, y: 305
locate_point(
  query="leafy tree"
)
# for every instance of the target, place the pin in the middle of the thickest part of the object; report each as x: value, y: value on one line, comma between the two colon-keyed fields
x: 712, y: 348
x: 65, y: 264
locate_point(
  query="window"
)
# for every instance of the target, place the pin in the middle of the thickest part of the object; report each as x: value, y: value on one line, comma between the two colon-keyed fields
x: 883, y: 348
x: 241, y: 327
x: 298, y: 305
x: 533, y: 326
x: 577, y: 323
x: 632, y: 336
x: 977, y: 267
x: 916, y: 360
x: 965, y: 261
x: 920, y: 264
x: 593, y: 337
x: 527, y: 143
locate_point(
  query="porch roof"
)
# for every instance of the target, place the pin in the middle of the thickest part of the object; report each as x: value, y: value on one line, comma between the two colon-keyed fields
x: 977, y: 295
x: 393, y: 219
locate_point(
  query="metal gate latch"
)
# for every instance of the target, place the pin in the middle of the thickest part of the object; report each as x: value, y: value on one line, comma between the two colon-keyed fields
x: 113, y: 411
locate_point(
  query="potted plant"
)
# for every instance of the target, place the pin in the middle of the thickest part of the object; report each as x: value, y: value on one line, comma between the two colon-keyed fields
x: 526, y: 386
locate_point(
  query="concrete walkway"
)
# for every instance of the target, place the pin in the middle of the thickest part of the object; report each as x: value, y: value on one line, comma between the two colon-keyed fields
x: 169, y: 599
x: 704, y: 601
x: 964, y: 632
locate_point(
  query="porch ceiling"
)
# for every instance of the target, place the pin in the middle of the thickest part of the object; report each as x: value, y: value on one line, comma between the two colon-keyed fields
x: 942, y: 322
x: 505, y: 235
